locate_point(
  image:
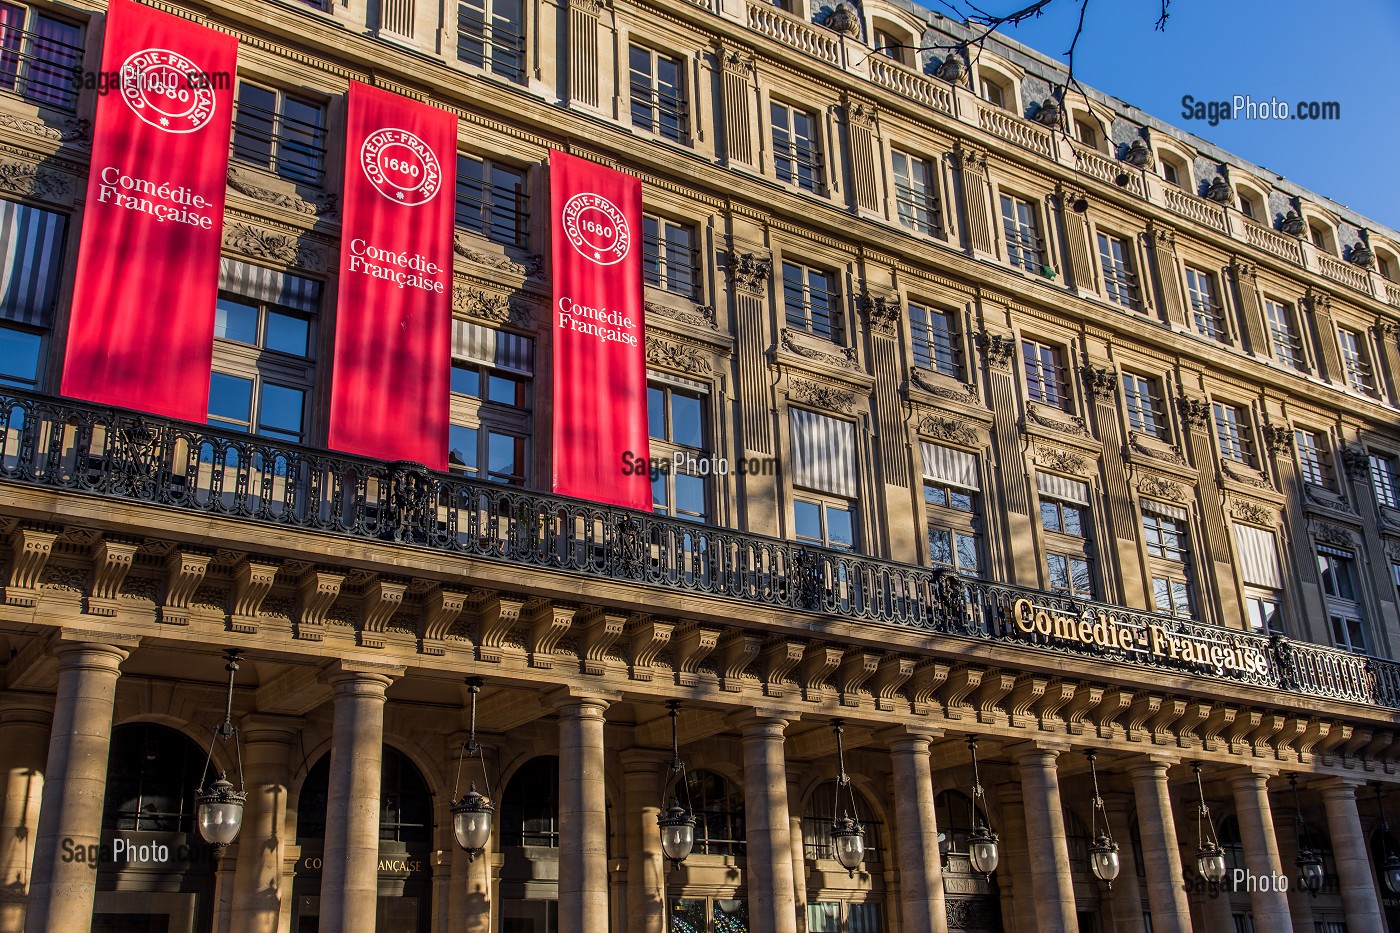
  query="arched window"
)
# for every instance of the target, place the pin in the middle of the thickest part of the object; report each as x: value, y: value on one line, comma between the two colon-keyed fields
x: 956, y: 818
x: 1077, y: 840
x: 530, y: 805
x: 1174, y: 171
x: 153, y: 773
x: 1321, y: 236
x: 405, y: 804
x: 719, y: 813
x: 1230, y: 841
x: 816, y: 822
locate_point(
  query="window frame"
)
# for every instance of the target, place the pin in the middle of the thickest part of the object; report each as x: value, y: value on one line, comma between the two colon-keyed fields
x: 312, y: 150
x: 1020, y: 230
x: 825, y: 503
x: 1120, y: 281
x: 1385, y: 478
x: 1358, y: 370
x: 1285, y: 339
x: 1314, y: 457
x: 665, y: 447
x: 801, y: 301
x: 506, y: 56
x: 663, y: 263
x: 653, y: 99
x: 1133, y: 384
x: 265, y: 368
x: 487, y: 418
x: 1234, y: 436
x: 1055, y: 392
x: 1208, y: 315
x: 938, y: 349
x: 54, y: 88
x: 797, y: 160
x: 485, y: 210
x: 916, y: 208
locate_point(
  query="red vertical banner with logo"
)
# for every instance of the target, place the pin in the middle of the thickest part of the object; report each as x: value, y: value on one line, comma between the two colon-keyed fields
x: 600, y: 369
x: 393, y: 328
x: 141, y: 331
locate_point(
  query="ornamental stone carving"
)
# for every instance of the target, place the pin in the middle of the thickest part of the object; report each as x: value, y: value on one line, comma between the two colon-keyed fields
x: 1333, y: 534
x: 965, y: 394
x: 531, y: 268
x: 1171, y: 454
x: 791, y: 343
x: 1320, y: 302
x: 1254, y: 513
x: 822, y: 396
x: 882, y: 312
x: 749, y: 271
x: 844, y: 20
x: 66, y: 130
x: 997, y: 349
x: 1257, y: 479
x: 1164, y: 237
x: 264, y: 244
x: 947, y: 429
x: 320, y: 205
x: 1061, y: 460
x: 1072, y: 424
x: 1278, y: 439
x: 32, y: 181
x: 695, y: 316
x: 1244, y: 271
x: 1159, y: 488
x: 862, y: 114
x: 1195, y: 412
x: 492, y: 308
x: 1101, y: 382
x: 676, y: 356
x: 737, y: 61
x: 972, y: 160
x: 1356, y: 463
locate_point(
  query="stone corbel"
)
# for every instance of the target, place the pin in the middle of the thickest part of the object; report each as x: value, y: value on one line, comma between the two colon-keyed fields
x: 382, y: 598
x: 548, y: 622
x: 1220, y: 719
x: 857, y: 667
x: 252, y: 581
x: 818, y: 663
x: 441, y: 609
x: 780, y: 656
x: 1115, y: 701
x: 1245, y: 723
x: 736, y: 649
x: 317, y: 592
x: 692, y: 643
x: 184, y: 572
x: 1087, y: 698
x: 496, y: 616
x: 1143, y: 708
x: 1260, y: 739
x: 1057, y: 694
x: 1160, y: 727
x: 647, y: 638
x: 111, y: 562
x: 960, y: 683
x: 890, y: 677
x: 1025, y: 693
x: 928, y: 678
x: 30, y: 549
x: 598, y: 630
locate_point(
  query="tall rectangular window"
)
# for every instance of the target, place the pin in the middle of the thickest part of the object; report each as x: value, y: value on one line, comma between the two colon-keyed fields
x: 1283, y: 334
x: 1143, y: 402
x: 810, y: 301
x: 824, y: 479
x: 677, y: 423
x: 264, y: 351
x: 953, y: 507
x: 31, y: 265
x: 670, y: 260
x: 1069, y: 575
x: 913, y: 192
x: 1172, y: 595
x: 491, y: 35
x: 1314, y: 458
x: 937, y: 343
x: 490, y: 409
x: 1018, y: 223
x: 1045, y: 375
x: 492, y: 200
x: 1337, y: 569
x: 1119, y: 280
x: 282, y: 132
x: 39, y: 56
x: 1165, y: 536
x: 1356, y: 361
x: 1232, y: 433
x: 1207, y: 315
x: 658, y: 94
x: 1384, y: 481
x: 797, y: 154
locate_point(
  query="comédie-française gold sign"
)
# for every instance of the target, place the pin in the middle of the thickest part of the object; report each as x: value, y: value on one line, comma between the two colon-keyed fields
x: 1096, y: 629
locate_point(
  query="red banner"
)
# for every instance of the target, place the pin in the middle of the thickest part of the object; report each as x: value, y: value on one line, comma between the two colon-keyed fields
x: 393, y: 330
x: 141, y: 332
x: 600, y: 369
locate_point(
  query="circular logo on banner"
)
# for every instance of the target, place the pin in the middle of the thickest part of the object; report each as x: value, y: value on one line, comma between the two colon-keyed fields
x: 597, y: 229
x: 167, y: 90
x: 401, y: 167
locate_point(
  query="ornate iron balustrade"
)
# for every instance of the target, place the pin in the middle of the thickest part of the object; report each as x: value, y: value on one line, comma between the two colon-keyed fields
x: 58, y: 444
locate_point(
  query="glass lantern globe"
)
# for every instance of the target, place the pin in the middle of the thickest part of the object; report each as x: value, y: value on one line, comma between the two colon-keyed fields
x: 1310, y: 874
x: 471, y: 822
x: 1210, y: 862
x: 1392, y: 873
x: 848, y: 840
x: 219, y: 813
x: 982, y: 850
x: 1103, y: 859
x: 677, y: 834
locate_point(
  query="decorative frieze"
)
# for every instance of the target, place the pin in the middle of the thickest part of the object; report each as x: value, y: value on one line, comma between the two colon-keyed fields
x: 821, y: 396
x: 671, y: 355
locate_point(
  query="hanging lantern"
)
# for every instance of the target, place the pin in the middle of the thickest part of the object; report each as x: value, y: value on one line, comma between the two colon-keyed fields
x: 218, y: 808
x: 676, y: 823
x: 1210, y: 857
x: 473, y: 815
x: 1310, y: 873
x: 982, y: 848
x: 1392, y: 873
x: 1103, y: 853
x: 847, y: 835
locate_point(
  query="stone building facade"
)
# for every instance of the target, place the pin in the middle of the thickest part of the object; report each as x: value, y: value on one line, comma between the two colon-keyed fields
x: 1108, y: 425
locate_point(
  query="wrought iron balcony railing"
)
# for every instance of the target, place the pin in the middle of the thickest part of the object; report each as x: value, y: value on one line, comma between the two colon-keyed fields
x: 60, y: 444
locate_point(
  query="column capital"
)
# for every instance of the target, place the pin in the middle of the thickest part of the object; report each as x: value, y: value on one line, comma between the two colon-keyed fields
x: 1036, y: 749
x: 1152, y: 765
x: 1251, y: 776
x: 909, y: 737
x: 1338, y: 788
x: 643, y: 760
x: 27, y: 708
x: 758, y: 721
x: 77, y: 649
x: 269, y: 728
x: 574, y: 698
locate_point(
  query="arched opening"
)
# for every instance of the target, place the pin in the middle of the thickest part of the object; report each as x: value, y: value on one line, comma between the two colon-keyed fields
x: 1321, y: 236
x: 973, y: 901
x: 405, y: 846
x: 719, y: 813
x: 154, y: 872
x: 1174, y: 171
x: 822, y: 806
x: 1251, y: 204
x: 842, y: 904
x: 529, y: 895
x: 1087, y: 899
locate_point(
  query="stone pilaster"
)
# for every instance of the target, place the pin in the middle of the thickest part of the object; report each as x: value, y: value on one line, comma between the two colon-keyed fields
x: 998, y: 352
x: 865, y: 187
x: 1360, y: 900
x: 62, y: 891
x: 1161, y: 856
x: 1166, y: 273
x: 1045, y: 837
x: 1256, y: 819
x: 921, y: 902
x: 583, y: 853
x: 584, y: 63
x: 1122, y: 571
x: 975, y: 194
x: 25, y: 721
x: 350, y: 883
x: 1329, y: 356
x: 1256, y: 329
x: 736, y: 92
x: 1215, y: 577
x: 1080, y: 251
x: 257, y: 885
x: 772, y: 903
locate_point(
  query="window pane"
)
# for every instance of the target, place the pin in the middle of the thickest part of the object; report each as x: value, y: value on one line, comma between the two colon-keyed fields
x: 656, y: 412
x: 1058, y: 572
x: 1072, y: 522
x: 824, y: 917
x: 935, y: 495
x: 287, y: 333
x: 19, y: 357
x: 968, y: 560
x: 466, y: 380
x: 505, y: 390
x: 1049, y: 516
x: 690, y: 496
x: 252, y: 134
x: 807, y: 518
x: 281, y: 411
x: 686, y: 427
x: 940, y: 546
x: 504, y: 456
x: 961, y: 501
x: 234, y: 320
x: 230, y: 398
x: 838, y: 527
x: 461, y: 449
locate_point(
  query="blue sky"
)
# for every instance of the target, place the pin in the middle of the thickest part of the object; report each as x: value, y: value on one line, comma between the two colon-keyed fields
x: 1347, y: 52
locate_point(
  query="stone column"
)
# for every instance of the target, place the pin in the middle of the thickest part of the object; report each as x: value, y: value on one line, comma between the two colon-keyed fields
x: 1126, y: 896
x: 1256, y: 820
x: 61, y: 893
x: 350, y: 883
x: 644, y: 783
x: 1045, y: 837
x: 24, y: 735
x: 1360, y: 900
x: 1014, y: 872
x: 583, y: 833
x: 1299, y: 901
x: 799, y: 855
x: 1166, y: 895
x: 257, y: 884
x: 772, y: 907
x: 922, y: 909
